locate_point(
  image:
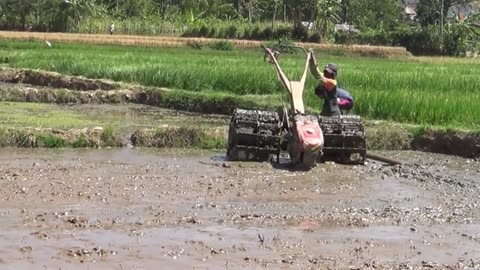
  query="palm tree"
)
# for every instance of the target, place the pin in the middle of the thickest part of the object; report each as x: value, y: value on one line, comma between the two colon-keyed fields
x: 78, y: 9
x: 297, y: 9
x: 214, y: 8
x: 328, y: 13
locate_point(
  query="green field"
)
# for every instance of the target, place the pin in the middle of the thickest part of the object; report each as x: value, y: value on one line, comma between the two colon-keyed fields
x: 105, y: 125
x: 123, y: 118
x: 427, y: 91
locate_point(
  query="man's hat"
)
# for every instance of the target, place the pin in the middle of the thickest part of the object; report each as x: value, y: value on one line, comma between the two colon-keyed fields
x: 331, y: 68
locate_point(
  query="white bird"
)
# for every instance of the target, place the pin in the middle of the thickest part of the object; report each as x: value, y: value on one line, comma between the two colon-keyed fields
x: 48, y: 43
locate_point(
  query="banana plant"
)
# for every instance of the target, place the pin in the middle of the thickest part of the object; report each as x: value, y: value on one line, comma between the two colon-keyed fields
x: 463, y: 33
x: 81, y: 8
x: 328, y: 13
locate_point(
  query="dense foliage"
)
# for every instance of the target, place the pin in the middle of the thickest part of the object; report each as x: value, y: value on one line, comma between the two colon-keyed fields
x: 380, y: 22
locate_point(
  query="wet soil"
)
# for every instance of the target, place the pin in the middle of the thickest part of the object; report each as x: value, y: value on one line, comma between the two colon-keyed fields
x: 53, y: 79
x: 148, y: 209
x: 15, y: 86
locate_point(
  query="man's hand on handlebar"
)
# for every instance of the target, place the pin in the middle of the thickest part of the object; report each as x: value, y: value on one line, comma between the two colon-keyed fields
x: 270, y: 54
x: 313, y: 60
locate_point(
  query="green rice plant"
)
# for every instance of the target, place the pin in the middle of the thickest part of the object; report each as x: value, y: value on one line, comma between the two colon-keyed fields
x: 81, y: 141
x: 51, y: 141
x: 195, y: 45
x: 178, y: 137
x: 223, y: 45
x: 109, y: 137
x: 429, y: 91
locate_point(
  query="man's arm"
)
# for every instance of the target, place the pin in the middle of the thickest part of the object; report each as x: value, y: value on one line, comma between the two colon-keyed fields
x: 315, y: 72
x: 314, y: 69
x: 328, y: 83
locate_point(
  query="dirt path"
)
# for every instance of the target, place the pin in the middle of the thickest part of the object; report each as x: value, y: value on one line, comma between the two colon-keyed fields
x: 151, y: 209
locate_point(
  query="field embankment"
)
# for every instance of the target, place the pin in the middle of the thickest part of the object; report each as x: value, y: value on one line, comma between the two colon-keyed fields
x: 414, y: 92
x: 168, y: 41
x: 97, y: 126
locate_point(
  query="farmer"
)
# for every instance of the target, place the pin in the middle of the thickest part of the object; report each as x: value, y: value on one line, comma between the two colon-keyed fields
x: 345, y: 100
x: 334, y: 98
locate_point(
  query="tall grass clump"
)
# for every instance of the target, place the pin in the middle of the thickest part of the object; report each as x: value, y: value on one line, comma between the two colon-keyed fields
x: 179, y: 137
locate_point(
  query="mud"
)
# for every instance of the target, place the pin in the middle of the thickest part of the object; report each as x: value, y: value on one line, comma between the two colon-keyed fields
x: 38, y: 91
x: 55, y: 80
x: 466, y: 144
x: 150, y: 209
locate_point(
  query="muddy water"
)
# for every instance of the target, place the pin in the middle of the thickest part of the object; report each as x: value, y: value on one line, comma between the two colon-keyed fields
x: 150, y: 209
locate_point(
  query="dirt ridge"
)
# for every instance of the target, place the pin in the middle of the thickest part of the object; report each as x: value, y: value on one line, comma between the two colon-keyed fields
x: 80, y: 90
x: 163, y: 41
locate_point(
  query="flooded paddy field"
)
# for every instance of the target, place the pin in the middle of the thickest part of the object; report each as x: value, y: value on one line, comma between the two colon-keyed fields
x: 134, y: 208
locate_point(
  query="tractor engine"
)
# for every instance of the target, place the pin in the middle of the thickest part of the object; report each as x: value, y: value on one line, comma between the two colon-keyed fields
x: 306, y: 141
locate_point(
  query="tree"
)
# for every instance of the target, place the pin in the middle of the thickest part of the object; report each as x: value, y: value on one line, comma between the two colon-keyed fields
x: 298, y: 10
x: 216, y: 8
x: 462, y: 34
x: 344, y: 10
x: 327, y: 14
x: 374, y: 14
x: 16, y: 12
x: 430, y: 11
x: 268, y: 10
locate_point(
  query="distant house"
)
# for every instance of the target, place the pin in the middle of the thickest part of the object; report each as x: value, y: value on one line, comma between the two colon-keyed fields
x: 411, y: 11
x: 463, y: 10
x: 345, y: 28
x: 410, y: 8
x: 309, y: 25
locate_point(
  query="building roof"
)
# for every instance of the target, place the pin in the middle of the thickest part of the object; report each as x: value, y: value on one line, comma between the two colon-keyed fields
x: 345, y: 27
x: 463, y: 10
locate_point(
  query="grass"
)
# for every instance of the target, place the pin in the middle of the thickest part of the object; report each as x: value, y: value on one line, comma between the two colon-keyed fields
x: 80, y: 126
x: 122, y: 118
x: 181, y: 137
x: 425, y: 91
x: 54, y: 138
x: 198, y: 102
x: 57, y: 126
x: 169, y: 41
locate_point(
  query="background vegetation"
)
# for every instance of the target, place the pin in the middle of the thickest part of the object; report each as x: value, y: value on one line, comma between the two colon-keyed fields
x: 380, y: 22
